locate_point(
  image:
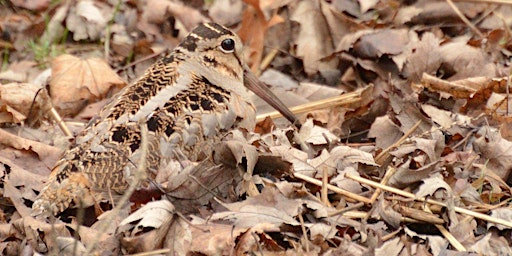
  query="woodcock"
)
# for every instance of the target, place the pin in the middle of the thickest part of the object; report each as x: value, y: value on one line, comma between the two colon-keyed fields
x: 188, y: 100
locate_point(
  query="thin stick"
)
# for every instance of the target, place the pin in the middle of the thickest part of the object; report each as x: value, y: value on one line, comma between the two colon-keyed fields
x: 430, y: 201
x: 385, y: 152
x: 55, y: 115
x: 266, y: 61
x: 464, y: 19
x: 333, y: 188
x: 323, y: 191
x: 389, y: 173
x: 453, y: 241
x: 487, y: 1
x: 346, y: 209
x: 304, y: 232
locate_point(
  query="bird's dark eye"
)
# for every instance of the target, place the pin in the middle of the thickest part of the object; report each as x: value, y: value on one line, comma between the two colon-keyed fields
x: 227, y: 45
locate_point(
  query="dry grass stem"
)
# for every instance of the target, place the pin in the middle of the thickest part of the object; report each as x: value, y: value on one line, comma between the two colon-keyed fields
x: 389, y: 173
x: 266, y: 61
x: 453, y: 241
x: 430, y: 201
x: 333, y: 188
x: 55, y: 115
x: 346, y: 209
x: 487, y: 1
x: 464, y: 19
x: 324, y: 191
x: 379, y: 159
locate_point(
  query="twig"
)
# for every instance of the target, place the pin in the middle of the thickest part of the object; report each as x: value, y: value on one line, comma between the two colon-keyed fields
x: 453, y: 241
x: 487, y: 1
x: 333, y: 188
x: 430, y: 201
x: 304, y: 232
x: 385, y: 152
x: 266, y: 61
x: 55, y: 115
x: 155, y: 252
x: 464, y: 19
x: 346, y: 209
x: 324, y: 192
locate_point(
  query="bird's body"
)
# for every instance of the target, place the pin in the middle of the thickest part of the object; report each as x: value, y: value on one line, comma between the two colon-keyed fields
x: 187, y: 101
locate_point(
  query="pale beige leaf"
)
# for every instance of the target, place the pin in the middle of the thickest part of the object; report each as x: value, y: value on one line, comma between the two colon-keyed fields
x: 392, y: 247
x: 313, y: 42
x: 77, y: 81
x: 87, y: 20
x: 316, y: 135
x: 500, y: 213
x: 385, y: 132
x: 179, y: 237
x: 495, y: 149
x: 431, y: 185
x: 422, y: 56
x: 20, y: 99
x: 153, y: 214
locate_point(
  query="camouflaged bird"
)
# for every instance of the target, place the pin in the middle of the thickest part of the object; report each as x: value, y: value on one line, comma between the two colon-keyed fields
x: 187, y: 100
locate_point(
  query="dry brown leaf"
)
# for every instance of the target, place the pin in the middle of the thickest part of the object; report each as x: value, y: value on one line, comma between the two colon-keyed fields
x: 87, y: 19
x: 19, y: 100
x: 435, y: 187
x: 392, y: 247
x: 423, y: 56
x: 496, y: 150
x: 466, y: 61
x: 106, y: 241
x: 252, y: 32
x: 159, y: 11
x: 226, y: 11
x: 314, y: 42
x: 48, y: 154
x: 179, y: 237
x: 387, y: 41
x: 34, y: 230
x: 315, y: 134
x: 384, y: 209
x: 268, y: 207
x: 491, y: 244
x: 76, y: 82
x: 385, y: 132
x: 33, y: 5
x: 151, y: 215
x: 464, y: 231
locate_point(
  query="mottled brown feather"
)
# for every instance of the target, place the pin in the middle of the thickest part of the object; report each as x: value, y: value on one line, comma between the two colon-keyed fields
x: 188, y: 100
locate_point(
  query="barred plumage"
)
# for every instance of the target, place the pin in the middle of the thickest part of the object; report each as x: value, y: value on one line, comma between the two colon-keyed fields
x: 187, y: 100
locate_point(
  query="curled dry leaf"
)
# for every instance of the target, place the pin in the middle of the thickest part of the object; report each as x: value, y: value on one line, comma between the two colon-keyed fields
x: 34, y: 5
x: 314, y: 42
x: 76, y: 82
x: 151, y: 215
x: 315, y: 134
x: 159, y: 11
x: 385, y: 132
x: 495, y: 149
x: 252, y: 32
x: 422, y: 56
x: 87, y: 19
x: 17, y: 100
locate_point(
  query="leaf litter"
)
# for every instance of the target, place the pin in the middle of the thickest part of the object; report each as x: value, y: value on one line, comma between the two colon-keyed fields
x: 404, y: 147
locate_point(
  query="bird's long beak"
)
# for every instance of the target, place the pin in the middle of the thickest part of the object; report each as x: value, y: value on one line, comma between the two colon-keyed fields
x: 261, y: 89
